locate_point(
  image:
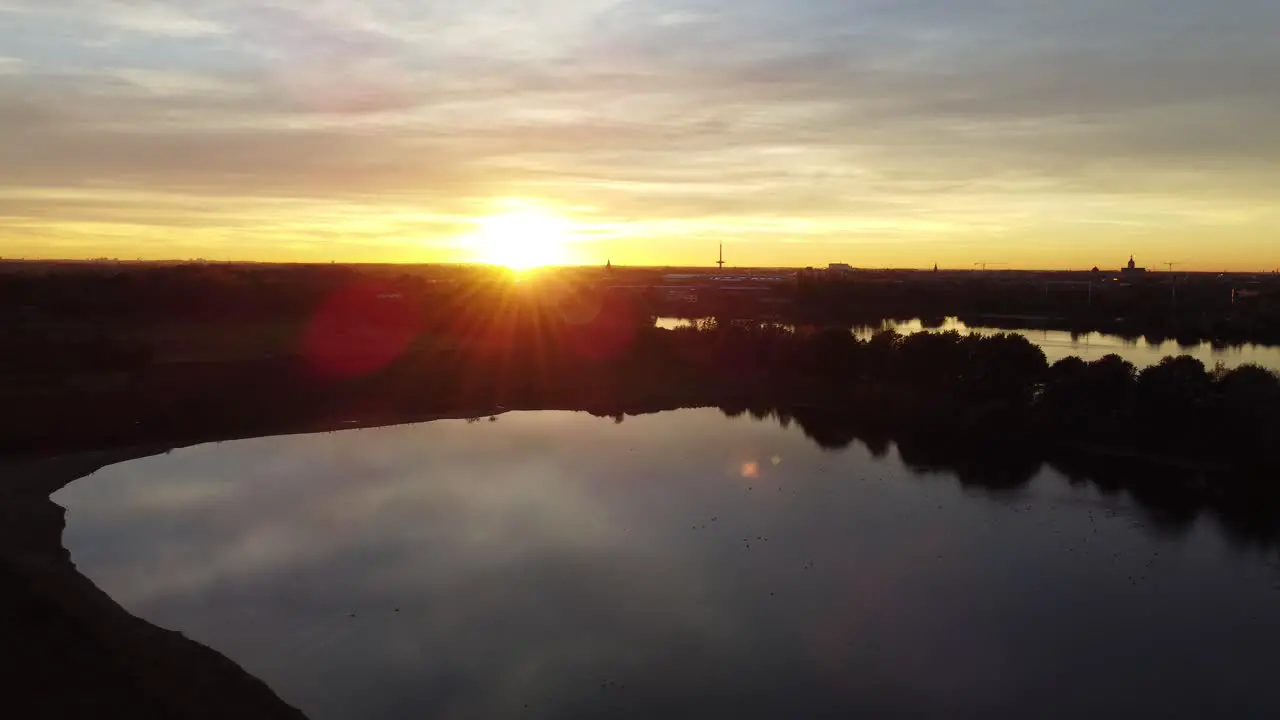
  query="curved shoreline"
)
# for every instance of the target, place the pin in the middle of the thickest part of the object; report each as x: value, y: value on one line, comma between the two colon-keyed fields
x: 82, y: 655
x: 76, y: 653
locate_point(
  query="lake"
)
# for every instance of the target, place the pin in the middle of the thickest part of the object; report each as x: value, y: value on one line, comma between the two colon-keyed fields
x: 1058, y: 344
x: 682, y: 564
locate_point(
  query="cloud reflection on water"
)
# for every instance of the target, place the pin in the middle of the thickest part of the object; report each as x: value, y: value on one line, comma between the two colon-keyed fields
x: 587, y: 568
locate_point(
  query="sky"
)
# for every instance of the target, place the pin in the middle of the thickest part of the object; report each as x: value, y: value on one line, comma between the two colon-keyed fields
x: 881, y: 133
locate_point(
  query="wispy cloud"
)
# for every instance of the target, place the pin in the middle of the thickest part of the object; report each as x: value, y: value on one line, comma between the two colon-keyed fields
x: 911, y: 118
x: 144, y: 17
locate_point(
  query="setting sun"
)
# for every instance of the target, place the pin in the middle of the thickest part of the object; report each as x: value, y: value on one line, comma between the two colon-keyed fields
x: 522, y: 239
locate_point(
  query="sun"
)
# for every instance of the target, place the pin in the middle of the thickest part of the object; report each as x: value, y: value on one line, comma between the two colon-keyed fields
x: 522, y: 238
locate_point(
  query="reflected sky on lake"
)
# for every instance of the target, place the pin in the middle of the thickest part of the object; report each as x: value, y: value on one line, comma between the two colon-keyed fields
x: 676, y: 565
x: 1058, y: 344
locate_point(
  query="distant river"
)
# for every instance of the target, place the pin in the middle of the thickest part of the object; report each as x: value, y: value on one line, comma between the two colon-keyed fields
x: 1058, y: 344
x: 678, y: 565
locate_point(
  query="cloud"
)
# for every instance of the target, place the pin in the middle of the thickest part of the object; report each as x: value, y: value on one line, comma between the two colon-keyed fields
x: 670, y: 109
x: 143, y: 17
x: 155, y: 18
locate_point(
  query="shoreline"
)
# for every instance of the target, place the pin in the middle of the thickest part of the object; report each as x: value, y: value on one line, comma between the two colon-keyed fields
x: 75, y: 652
x: 81, y: 654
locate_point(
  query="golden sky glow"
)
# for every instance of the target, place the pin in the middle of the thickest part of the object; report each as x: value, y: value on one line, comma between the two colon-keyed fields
x: 522, y: 236
x: 878, y: 133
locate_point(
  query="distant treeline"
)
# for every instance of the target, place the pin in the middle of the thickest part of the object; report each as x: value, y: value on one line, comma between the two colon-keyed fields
x: 80, y: 373
x: 535, y: 348
x: 989, y: 409
x: 1188, y: 308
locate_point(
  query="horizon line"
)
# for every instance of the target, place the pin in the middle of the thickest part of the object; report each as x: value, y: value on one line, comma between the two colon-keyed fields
x: 615, y: 266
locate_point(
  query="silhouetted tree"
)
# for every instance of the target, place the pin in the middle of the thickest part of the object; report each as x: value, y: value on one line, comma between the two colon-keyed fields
x: 1168, y: 394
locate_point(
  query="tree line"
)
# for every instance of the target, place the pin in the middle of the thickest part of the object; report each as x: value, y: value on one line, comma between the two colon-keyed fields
x: 366, y: 349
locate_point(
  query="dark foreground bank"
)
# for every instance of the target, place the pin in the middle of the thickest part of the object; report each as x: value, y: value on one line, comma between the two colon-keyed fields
x: 71, y: 651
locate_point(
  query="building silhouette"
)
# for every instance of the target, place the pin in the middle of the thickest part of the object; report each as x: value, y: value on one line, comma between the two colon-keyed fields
x: 1132, y: 269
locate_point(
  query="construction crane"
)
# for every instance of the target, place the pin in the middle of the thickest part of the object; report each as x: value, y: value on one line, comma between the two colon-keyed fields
x: 1171, y: 265
x: 984, y: 265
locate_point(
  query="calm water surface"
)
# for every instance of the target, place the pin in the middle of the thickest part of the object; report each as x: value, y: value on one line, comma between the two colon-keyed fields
x: 557, y: 565
x: 1058, y: 344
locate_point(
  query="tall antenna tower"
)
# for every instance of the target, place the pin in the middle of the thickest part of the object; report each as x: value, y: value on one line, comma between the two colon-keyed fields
x: 720, y: 262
